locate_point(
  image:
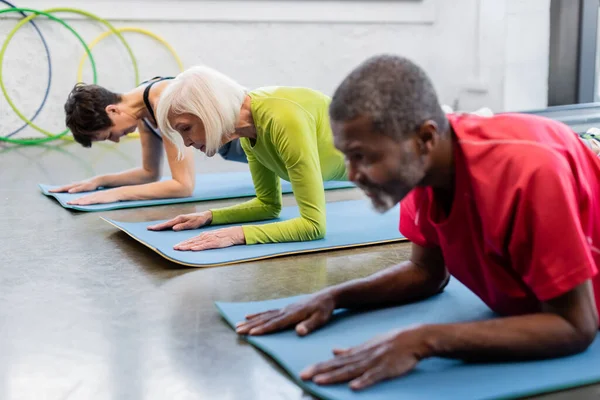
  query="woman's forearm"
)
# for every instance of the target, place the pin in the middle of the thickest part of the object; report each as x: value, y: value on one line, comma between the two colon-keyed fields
x: 249, y: 211
x: 294, y: 230
x: 155, y: 190
x: 135, y: 176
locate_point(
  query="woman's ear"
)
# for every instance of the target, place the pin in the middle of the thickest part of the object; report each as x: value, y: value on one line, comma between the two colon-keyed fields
x: 112, y: 109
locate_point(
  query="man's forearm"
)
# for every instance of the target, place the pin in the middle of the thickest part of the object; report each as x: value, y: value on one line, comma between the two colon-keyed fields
x: 534, y: 336
x: 401, y: 283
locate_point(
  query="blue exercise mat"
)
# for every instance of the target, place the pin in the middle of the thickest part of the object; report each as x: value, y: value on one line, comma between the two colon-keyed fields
x: 227, y: 185
x: 434, y: 378
x: 349, y: 224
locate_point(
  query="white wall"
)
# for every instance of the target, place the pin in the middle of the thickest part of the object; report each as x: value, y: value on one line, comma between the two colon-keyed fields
x: 478, y: 52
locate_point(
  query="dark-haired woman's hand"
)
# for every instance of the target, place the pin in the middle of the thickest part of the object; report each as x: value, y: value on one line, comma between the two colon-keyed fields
x: 77, y: 187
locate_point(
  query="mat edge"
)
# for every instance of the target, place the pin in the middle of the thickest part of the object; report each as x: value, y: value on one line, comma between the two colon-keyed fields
x: 122, y: 205
x: 399, y: 240
x: 249, y: 339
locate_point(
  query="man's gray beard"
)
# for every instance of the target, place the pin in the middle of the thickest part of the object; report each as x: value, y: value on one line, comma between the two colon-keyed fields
x: 383, y: 203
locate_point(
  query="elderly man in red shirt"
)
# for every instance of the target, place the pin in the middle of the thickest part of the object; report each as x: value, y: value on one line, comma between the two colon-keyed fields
x: 509, y: 205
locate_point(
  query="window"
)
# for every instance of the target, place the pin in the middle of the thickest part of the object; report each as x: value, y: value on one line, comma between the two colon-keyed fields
x: 574, y: 52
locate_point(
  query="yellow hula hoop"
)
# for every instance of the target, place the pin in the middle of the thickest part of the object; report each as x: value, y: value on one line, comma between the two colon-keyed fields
x: 129, y: 29
x: 146, y: 32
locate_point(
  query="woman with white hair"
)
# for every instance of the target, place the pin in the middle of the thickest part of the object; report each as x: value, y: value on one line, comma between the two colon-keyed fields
x: 285, y: 133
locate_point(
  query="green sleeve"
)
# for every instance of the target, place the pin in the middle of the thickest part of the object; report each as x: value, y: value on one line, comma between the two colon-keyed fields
x: 266, y: 204
x: 294, y: 138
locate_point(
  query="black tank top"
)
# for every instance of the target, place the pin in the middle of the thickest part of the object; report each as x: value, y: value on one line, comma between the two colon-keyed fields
x: 149, y: 106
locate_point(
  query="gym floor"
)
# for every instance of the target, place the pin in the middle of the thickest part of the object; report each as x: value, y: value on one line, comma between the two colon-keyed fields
x: 88, y: 313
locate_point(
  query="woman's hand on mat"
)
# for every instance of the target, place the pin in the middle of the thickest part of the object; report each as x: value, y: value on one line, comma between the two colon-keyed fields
x: 306, y: 315
x: 184, y: 222
x: 384, y: 357
x: 106, y: 196
x: 216, y: 239
x: 77, y: 187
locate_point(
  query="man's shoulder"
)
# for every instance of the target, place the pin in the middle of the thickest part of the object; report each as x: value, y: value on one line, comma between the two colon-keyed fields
x: 512, y: 128
x: 512, y: 143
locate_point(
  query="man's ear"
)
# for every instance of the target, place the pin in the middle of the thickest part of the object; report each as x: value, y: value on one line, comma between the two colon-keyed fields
x: 427, y: 135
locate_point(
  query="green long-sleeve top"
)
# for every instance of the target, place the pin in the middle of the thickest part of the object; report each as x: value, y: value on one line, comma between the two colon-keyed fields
x: 295, y: 143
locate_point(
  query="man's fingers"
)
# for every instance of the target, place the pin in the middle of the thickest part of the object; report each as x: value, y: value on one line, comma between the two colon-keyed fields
x: 317, y: 319
x: 372, y: 343
x: 243, y: 327
x: 341, y: 374
x: 384, y: 370
x: 339, y: 352
x: 341, y: 363
x: 260, y: 314
x: 283, y: 321
x: 369, y: 378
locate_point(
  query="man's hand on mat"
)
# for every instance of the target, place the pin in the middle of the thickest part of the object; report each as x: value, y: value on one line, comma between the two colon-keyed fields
x: 384, y: 357
x: 306, y: 315
x: 217, y: 239
x: 108, y: 196
x: 77, y: 187
x: 184, y: 222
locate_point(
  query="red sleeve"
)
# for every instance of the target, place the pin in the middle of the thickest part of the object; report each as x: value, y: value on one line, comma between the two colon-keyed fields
x: 548, y: 246
x: 413, y: 218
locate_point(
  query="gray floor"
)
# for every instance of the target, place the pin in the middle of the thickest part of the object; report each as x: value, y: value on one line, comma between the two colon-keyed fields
x: 88, y: 313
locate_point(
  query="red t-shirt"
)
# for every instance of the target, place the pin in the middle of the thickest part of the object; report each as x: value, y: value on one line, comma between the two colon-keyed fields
x: 525, y: 220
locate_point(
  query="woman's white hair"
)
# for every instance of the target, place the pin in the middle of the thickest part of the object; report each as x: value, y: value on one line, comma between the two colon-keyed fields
x: 209, y: 95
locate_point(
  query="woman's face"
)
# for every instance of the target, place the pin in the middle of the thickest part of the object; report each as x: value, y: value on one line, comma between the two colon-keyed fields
x: 191, y: 129
x: 122, y: 124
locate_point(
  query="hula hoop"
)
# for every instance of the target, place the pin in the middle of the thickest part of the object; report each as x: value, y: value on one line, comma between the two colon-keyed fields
x: 58, y: 148
x: 96, y: 18
x: 37, y: 112
x: 112, y: 30
x: 146, y: 32
x: 142, y: 31
x: 51, y: 136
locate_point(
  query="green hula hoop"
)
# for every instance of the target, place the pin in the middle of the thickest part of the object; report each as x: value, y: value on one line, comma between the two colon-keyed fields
x: 110, y: 27
x: 51, y: 136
